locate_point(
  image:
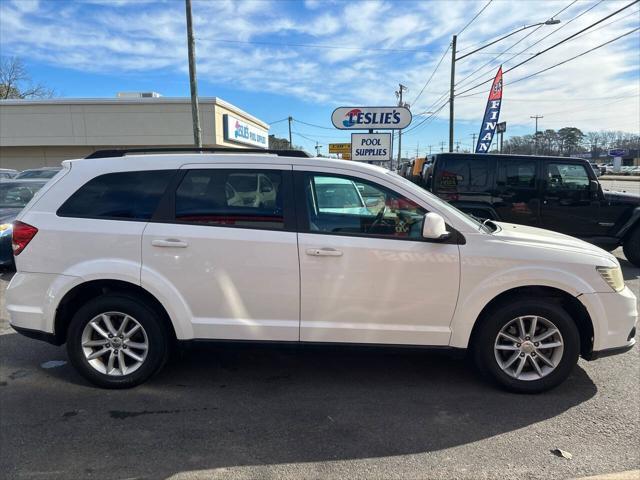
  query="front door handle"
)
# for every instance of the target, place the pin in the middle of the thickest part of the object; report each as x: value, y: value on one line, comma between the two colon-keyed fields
x: 169, y: 242
x: 324, y: 252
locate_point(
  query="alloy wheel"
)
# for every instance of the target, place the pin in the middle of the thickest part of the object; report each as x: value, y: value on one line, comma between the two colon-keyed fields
x: 115, y: 343
x: 529, y: 347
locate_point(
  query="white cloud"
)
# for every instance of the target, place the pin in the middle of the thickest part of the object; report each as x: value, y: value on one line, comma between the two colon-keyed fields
x: 371, y: 46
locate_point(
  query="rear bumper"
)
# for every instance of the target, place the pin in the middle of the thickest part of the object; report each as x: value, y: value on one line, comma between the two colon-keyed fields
x: 32, y: 300
x: 38, y: 335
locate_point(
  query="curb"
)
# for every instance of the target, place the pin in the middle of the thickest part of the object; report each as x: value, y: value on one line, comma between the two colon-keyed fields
x: 628, y: 475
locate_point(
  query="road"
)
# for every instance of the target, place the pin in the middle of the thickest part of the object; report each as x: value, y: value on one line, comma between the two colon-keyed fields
x: 622, y: 185
x: 245, y: 412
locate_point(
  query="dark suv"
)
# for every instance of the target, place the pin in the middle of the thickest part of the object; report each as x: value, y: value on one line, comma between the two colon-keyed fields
x: 556, y: 193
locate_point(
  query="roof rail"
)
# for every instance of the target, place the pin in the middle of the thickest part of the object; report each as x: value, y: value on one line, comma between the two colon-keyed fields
x: 126, y: 151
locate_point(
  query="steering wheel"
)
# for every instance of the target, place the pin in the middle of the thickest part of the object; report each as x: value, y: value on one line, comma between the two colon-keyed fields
x: 378, y: 219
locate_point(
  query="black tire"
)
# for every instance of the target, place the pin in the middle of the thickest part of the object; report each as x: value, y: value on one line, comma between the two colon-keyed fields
x: 146, y: 316
x: 631, y: 247
x: 485, y: 338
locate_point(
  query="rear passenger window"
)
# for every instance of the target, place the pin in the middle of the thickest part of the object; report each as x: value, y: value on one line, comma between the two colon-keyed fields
x: 118, y: 196
x: 239, y: 198
x: 460, y: 175
x: 516, y: 173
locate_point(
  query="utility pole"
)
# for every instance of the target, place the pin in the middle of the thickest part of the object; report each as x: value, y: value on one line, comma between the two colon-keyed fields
x: 193, y: 81
x: 458, y: 146
x: 290, y: 142
x: 318, y: 147
x: 501, y: 138
x: 451, y: 88
x: 473, y: 143
x: 401, y: 88
x: 536, y: 132
x: 430, y: 149
x: 442, y: 146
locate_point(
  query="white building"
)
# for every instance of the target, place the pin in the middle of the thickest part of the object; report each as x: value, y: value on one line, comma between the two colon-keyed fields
x: 36, y: 133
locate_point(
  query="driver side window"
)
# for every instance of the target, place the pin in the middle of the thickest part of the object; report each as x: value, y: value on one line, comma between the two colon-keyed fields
x: 351, y: 206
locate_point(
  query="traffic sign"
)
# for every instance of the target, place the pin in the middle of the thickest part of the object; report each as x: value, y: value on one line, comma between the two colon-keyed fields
x: 501, y: 127
x: 369, y: 147
x: 346, y: 156
x: 339, y: 148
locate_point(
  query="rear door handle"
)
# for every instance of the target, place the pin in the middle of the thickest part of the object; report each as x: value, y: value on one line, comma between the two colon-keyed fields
x: 169, y: 242
x: 324, y: 252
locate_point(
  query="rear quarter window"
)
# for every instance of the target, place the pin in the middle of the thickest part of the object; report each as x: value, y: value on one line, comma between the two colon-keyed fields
x: 462, y: 175
x: 118, y: 196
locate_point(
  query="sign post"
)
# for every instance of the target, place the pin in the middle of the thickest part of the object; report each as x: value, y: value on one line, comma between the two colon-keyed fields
x: 617, y: 154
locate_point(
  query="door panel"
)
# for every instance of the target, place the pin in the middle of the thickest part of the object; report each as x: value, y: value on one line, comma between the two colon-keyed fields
x: 377, y: 290
x: 568, y: 205
x: 366, y: 274
x: 230, y: 253
x: 517, y: 198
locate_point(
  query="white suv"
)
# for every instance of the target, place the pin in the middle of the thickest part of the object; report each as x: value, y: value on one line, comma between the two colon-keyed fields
x: 120, y: 257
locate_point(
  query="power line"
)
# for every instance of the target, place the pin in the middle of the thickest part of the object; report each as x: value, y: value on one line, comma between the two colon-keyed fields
x: 313, y: 125
x: 524, y: 38
x: 432, y: 74
x: 566, y: 39
x: 278, y: 121
x: 474, y: 18
x: 577, y: 56
x: 312, y: 45
x: 427, y: 118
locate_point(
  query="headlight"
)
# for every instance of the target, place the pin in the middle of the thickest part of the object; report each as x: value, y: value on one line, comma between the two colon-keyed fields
x: 613, y: 277
x: 5, y: 226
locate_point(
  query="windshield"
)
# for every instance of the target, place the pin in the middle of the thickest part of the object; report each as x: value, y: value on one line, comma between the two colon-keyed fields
x: 448, y: 208
x: 17, y: 195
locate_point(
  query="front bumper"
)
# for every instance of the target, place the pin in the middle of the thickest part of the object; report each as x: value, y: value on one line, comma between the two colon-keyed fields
x: 614, y: 316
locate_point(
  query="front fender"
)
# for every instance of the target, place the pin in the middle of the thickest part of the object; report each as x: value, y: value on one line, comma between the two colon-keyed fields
x: 475, y: 296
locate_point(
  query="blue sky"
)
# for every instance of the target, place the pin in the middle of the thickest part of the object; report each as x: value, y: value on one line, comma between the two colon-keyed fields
x: 279, y: 58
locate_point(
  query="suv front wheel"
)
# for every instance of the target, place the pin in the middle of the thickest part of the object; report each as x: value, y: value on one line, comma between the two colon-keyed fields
x: 116, y: 341
x: 527, y: 346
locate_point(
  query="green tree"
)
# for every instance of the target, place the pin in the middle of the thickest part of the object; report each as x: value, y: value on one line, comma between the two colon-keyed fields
x: 570, y: 139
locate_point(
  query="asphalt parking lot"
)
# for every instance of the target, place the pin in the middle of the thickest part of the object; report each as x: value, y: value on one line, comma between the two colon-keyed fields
x: 237, y: 411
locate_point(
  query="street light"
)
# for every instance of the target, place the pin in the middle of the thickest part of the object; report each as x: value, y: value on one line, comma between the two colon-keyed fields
x: 551, y: 21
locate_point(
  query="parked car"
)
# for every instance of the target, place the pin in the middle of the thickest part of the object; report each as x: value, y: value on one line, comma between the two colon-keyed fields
x: 14, y: 195
x: 119, y: 257
x: 596, y: 169
x: 34, y: 173
x: 7, y: 173
x: 556, y: 193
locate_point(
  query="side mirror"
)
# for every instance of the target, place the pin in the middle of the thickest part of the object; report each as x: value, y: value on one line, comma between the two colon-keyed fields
x: 372, y: 201
x: 433, y: 227
x: 594, y: 186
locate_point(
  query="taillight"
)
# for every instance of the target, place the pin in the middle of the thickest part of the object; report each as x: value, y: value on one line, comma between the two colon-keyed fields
x: 23, y: 233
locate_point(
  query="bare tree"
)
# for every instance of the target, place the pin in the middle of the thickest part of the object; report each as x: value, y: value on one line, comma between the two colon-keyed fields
x: 15, y: 81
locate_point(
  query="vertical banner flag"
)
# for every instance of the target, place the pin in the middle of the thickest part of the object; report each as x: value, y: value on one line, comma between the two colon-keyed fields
x: 491, y: 115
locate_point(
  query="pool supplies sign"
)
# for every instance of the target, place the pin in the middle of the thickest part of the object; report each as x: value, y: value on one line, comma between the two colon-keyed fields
x: 491, y: 115
x: 239, y: 131
x: 371, y: 147
x: 366, y: 118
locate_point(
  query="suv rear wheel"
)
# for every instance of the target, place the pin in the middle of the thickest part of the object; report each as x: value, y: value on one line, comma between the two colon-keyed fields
x: 631, y: 247
x: 116, y: 341
x: 527, y: 346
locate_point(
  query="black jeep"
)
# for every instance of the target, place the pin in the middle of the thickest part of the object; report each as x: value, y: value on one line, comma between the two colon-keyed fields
x: 556, y: 193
